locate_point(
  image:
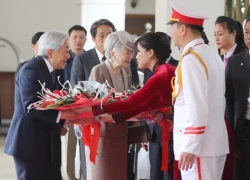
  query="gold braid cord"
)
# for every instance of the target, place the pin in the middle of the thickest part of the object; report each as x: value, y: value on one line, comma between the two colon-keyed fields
x: 179, y: 73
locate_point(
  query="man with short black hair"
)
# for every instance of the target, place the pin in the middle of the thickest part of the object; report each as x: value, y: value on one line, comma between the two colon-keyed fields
x: 84, y: 62
x: 34, y: 47
x: 77, y: 38
x: 238, y: 106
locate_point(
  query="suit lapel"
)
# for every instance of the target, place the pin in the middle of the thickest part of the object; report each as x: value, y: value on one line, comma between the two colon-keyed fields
x: 95, y: 57
x: 173, y: 62
x: 45, y: 74
x: 243, y: 71
x: 238, y: 49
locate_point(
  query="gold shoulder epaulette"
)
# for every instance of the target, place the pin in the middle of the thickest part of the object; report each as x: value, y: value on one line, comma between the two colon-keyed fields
x: 186, y: 52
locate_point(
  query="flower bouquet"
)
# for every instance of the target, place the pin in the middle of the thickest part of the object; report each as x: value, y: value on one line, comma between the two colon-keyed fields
x: 85, y: 93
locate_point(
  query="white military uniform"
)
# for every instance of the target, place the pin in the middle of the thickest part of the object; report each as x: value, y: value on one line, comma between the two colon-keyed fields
x: 199, y: 125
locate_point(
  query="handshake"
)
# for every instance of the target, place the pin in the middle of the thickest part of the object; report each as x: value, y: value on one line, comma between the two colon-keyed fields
x: 82, y: 116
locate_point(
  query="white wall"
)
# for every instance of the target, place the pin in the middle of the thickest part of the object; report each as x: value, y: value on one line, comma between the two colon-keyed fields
x: 21, y: 19
x: 93, y: 10
x: 142, y: 7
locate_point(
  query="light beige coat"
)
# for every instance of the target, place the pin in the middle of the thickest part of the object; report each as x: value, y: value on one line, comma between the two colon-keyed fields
x: 111, y: 161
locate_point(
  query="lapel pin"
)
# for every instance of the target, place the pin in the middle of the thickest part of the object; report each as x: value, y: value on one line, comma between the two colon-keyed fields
x: 241, y: 64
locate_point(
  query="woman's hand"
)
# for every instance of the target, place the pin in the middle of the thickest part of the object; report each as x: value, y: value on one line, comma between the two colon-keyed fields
x: 69, y: 115
x: 81, y: 121
x: 105, y: 118
x: 83, y: 109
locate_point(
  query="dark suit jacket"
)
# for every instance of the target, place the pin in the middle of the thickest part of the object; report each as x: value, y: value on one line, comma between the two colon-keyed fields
x: 237, y: 92
x: 155, y: 128
x: 134, y: 71
x: 237, y: 50
x: 19, y: 67
x: 32, y: 135
x: 82, y: 66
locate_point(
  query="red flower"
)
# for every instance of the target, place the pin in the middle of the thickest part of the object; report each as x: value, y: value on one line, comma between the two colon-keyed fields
x: 60, y: 93
x: 47, y: 103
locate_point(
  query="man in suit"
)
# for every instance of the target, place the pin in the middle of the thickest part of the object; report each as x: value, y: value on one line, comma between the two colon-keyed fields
x: 84, y: 62
x: 155, y: 149
x: 34, y: 135
x: 77, y: 38
x: 34, y: 47
x: 238, y: 110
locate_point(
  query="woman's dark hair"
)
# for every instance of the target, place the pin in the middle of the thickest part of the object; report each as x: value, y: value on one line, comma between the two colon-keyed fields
x: 232, y: 25
x: 204, y: 37
x: 157, y: 43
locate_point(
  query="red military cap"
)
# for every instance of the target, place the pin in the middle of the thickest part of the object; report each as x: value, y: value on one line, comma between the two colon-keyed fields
x: 185, y: 15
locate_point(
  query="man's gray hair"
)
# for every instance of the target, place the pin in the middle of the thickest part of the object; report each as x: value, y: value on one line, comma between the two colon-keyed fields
x: 50, y: 40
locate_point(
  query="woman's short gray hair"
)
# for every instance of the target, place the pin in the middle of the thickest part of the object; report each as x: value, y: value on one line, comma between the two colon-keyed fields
x: 117, y: 40
x: 50, y: 40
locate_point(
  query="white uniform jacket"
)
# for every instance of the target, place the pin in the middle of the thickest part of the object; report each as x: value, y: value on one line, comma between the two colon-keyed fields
x: 199, y: 125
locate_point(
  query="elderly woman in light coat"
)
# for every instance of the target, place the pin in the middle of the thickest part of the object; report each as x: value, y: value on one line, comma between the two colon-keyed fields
x: 111, y: 159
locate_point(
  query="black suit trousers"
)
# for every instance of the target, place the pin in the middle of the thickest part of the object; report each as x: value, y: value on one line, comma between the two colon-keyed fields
x: 30, y: 170
x: 155, y: 155
x: 242, y: 164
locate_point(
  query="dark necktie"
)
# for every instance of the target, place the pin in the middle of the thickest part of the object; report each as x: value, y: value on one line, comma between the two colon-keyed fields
x: 103, y: 58
x: 54, y: 79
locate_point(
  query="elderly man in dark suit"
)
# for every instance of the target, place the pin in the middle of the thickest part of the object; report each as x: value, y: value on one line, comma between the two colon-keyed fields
x: 155, y: 149
x: 34, y: 136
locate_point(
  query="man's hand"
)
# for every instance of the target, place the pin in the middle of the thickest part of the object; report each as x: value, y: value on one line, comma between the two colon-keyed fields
x: 63, y: 131
x: 106, y: 118
x: 186, y: 161
x: 144, y: 146
x: 69, y: 115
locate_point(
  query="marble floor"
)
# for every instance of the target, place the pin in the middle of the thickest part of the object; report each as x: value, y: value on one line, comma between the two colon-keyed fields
x: 7, y: 169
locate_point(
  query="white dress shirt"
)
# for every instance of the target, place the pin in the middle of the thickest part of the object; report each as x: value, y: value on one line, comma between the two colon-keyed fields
x: 230, y: 52
x: 99, y: 54
x: 59, y: 113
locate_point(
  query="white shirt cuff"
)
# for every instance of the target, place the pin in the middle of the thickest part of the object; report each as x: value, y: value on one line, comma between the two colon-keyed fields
x: 66, y: 124
x: 58, y: 117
